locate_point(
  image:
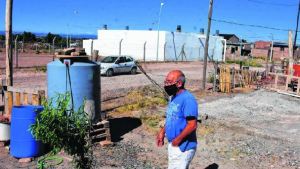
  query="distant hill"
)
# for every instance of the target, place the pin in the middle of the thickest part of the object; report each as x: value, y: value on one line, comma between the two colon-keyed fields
x: 77, y: 36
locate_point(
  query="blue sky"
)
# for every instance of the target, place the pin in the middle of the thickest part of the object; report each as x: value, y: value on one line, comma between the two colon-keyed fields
x: 86, y: 16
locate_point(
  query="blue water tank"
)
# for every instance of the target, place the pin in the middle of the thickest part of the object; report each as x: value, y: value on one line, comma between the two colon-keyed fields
x: 22, y: 143
x: 84, y: 82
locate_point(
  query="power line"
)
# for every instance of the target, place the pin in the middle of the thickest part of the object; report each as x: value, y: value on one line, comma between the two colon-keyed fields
x: 250, y: 25
x: 272, y: 3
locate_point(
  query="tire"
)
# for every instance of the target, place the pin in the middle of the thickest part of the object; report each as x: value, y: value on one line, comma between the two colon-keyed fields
x: 109, y: 73
x: 133, y: 71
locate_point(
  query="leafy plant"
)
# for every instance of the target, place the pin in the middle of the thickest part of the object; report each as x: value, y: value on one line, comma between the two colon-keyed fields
x: 64, y: 129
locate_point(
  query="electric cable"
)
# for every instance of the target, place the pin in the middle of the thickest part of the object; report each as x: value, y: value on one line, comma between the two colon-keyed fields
x: 250, y: 25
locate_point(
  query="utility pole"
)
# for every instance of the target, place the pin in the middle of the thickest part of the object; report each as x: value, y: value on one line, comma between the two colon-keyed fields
x: 8, y: 43
x: 296, y: 31
x: 207, y: 43
x: 16, y: 51
x: 290, y: 53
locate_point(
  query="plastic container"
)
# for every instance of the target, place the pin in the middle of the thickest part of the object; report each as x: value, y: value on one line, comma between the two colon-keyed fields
x: 22, y: 142
x: 4, y: 131
x: 84, y: 79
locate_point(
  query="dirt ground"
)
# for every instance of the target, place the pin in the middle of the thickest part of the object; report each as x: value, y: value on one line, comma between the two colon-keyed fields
x: 263, y: 135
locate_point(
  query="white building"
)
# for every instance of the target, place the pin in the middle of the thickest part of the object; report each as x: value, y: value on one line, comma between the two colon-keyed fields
x: 142, y: 45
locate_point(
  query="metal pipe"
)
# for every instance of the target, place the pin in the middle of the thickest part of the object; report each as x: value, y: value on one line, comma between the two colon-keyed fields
x: 161, y: 4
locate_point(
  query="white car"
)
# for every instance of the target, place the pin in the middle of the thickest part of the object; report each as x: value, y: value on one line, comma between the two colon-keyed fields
x: 111, y: 65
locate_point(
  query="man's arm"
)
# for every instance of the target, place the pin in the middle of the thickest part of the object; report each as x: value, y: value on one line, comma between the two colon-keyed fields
x: 190, y: 127
x: 160, y: 137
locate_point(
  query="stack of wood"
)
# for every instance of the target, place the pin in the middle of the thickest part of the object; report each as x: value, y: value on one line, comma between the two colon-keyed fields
x: 71, y: 51
x: 225, y: 79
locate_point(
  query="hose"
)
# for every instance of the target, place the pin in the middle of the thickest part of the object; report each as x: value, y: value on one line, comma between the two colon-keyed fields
x: 166, y: 96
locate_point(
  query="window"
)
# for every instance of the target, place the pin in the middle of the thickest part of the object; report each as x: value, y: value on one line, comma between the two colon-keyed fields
x: 122, y: 59
x: 281, y: 48
x: 128, y: 59
x: 109, y: 59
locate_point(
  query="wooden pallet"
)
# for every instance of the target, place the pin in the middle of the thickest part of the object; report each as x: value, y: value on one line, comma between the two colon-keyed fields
x: 101, y: 132
x: 285, y: 89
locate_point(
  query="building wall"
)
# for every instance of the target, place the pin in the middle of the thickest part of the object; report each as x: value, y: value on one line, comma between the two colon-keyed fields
x: 143, y: 45
x: 261, y: 53
x: 262, y: 45
x: 277, y: 53
x: 190, y: 46
x: 234, y: 39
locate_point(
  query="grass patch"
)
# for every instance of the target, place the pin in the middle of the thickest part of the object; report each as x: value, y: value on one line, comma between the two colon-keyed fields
x: 146, y: 97
x: 249, y: 62
x: 152, y: 122
x: 142, y: 103
x: 40, y: 69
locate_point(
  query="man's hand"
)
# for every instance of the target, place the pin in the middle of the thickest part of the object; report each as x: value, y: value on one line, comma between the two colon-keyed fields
x: 160, y: 138
x: 176, y: 142
x: 190, y: 127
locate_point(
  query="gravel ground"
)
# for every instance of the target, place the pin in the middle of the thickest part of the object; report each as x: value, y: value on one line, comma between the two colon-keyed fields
x: 241, y: 131
x: 266, y: 113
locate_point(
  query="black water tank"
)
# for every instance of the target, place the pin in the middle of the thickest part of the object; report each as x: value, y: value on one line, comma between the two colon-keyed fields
x: 105, y: 27
x: 202, y: 31
x: 178, y: 29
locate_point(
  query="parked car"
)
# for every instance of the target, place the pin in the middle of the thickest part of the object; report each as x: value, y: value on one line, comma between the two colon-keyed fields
x: 111, y: 65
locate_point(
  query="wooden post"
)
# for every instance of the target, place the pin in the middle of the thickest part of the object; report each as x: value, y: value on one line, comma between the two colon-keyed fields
x: 8, y: 103
x: 291, y: 61
x: 144, y: 52
x: 207, y: 43
x: 8, y: 43
x: 35, y: 99
x: 25, y: 98
x: 16, y: 51
x: 276, y: 81
x: 18, y: 98
x: 298, y: 87
x: 288, y: 79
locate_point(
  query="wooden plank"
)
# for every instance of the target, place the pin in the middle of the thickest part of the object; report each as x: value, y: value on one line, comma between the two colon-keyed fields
x: 18, y: 99
x: 283, y: 75
x: 276, y: 81
x: 291, y: 60
x: 16, y: 89
x: 287, y: 83
x: 25, y: 99
x: 35, y: 99
x: 289, y: 94
x: 8, y: 103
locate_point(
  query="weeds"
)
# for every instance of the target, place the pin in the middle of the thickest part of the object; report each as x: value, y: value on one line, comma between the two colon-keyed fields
x: 64, y: 129
x: 40, y: 69
x: 248, y: 62
x: 143, y: 101
x: 140, y: 99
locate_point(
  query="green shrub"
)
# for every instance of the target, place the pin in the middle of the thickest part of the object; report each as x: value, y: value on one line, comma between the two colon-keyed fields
x: 64, y: 129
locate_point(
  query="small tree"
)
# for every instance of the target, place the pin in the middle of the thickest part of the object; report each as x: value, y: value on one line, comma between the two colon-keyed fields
x: 65, y: 129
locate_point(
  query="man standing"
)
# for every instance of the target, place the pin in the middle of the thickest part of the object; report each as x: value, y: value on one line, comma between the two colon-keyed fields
x: 181, y: 122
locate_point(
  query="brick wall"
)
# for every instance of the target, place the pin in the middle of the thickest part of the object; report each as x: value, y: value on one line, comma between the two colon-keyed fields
x: 262, y: 45
x: 260, y: 52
